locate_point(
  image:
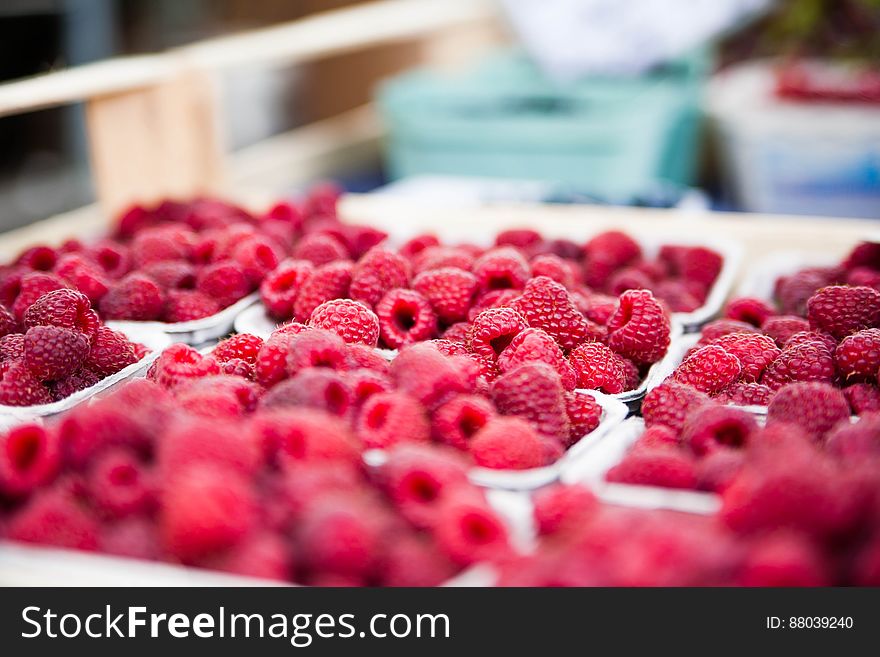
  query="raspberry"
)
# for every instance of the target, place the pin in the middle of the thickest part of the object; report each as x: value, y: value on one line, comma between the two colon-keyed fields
x: 135, y: 297
x: 424, y: 373
x: 535, y: 345
x: 110, y: 352
x: 491, y: 299
x: 411, y: 560
x: 494, y: 330
x: 305, y: 435
x: 748, y: 309
x: 864, y: 254
x: 448, y: 347
x: 455, y: 422
x: 715, y: 329
x: 180, y: 363
x: 783, y: 559
x: 614, y: 247
x: 8, y: 323
x: 82, y: 275
x: 438, y: 257
x: 806, y: 362
x: 52, y: 352
x: 754, y: 352
x: 244, y: 346
x: 639, y: 329
x: 862, y: 397
x: 782, y: 327
x: 219, y: 396
x: 391, y: 417
x: 745, y: 394
x: 113, y: 258
x: 362, y: 356
x: 186, y: 305
x: 841, y: 310
x: 816, y: 407
x: 863, y: 276
x: 257, y: 256
x: 802, y: 337
x: 280, y: 288
x: 238, y: 367
x: 192, y: 440
x: 30, y: 456
x: 709, y: 369
x: 320, y: 249
x: 205, y: 509
x: 717, y: 469
x: 676, y: 295
x: 224, y: 282
x: 416, y: 245
x: 628, y: 278
x: 312, y: 387
x: 598, y: 368
x: 858, y: 356
x: 459, y: 332
x: 521, y: 238
x: 64, y: 308
x: 119, y: 486
x: 157, y: 245
x: 377, y: 273
x: 316, y: 348
x: 714, y: 427
x: 700, y: 265
x: 794, y: 291
x: 327, y: 282
x: 552, y: 266
x: 80, y: 380
x: 172, y: 274
x: 449, y: 290
x: 670, y: 403
x: 563, y: 509
x: 658, y: 435
x: 263, y: 555
x: 546, y: 304
x: 511, y: 443
x: 533, y: 392
x: 270, y: 366
x: 33, y: 286
x: 584, y: 414
x: 52, y: 517
x: 38, y: 258
x: 469, y: 531
x: 366, y: 383
x: 855, y: 443
x: 18, y: 387
x: 655, y: 466
x: 351, y: 320
x: 501, y: 268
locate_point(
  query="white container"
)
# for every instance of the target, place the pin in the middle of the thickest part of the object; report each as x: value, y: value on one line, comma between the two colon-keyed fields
x: 791, y: 157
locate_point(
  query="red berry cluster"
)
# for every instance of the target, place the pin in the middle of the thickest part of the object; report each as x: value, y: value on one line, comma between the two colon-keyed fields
x: 59, y: 347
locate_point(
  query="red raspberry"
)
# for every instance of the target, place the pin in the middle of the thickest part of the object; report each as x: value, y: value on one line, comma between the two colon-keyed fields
x: 225, y: 282
x: 320, y: 249
x: 468, y: 531
x: 156, y: 245
x: 855, y: 443
x: 448, y: 347
x: 64, y: 308
x: 858, y: 356
x: 52, y: 352
x: 257, y: 256
x: 53, y: 517
x: 135, y: 297
x: 533, y: 391
x: 30, y: 456
x: 709, y: 369
x: 628, y: 278
x: 613, y: 246
x: 783, y: 559
x: 113, y: 258
x: 552, y: 266
x: 313, y: 387
x: 110, y: 353
x: 455, y: 422
x: 597, y: 308
x: 192, y: 440
x: 717, y: 469
x: 501, y: 268
x: 18, y: 387
x: 815, y: 407
x: 405, y: 317
x: 219, y: 396
x: 863, y: 397
x: 670, y: 403
x: 316, y: 348
x: 841, y: 310
x: 864, y: 254
x: 80, y: 380
x: 492, y: 299
x: 38, y: 258
x: 205, y: 509
x: 186, y: 305
x: 794, y: 291
x: 280, y: 288
x: 782, y: 327
x: 416, y: 245
x: 367, y: 382
x: 754, y: 352
x: 412, y: 560
x: 700, y: 265
x: 459, y: 333
x: 294, y: 436
x: 748, y: 309
x: 32, y: 287
x: 521, y: 238
x: 244, y: 346
x: 362, y: 356
x: 438, y: 257
x: 535, y: 345
x: 715, y: 427
x: 584, y: 414
x: 377, y: 273
x: 172, y: 274
x: 639, y: 329
x: 351, y: 320
x: 330, y: 281
x: 388, y: 418
x: 598, y: 368
x: 562, y: 509
x: 119, y: 486
x: 8, y: 323
x: 658, y: 435
x: 237, y: 367
x: 449, y: 290
x: 546, y: 304
x: 82, y: 275
x: 802, y: 337
x: 511, y: 443
x: 676, y: 295
x: 180, y: 363
x: 270, y: 366
x: 745, y: 394
x: 424, y: 373
x: 715, y: 329
x: 805, y: 362
x: 655, y: 466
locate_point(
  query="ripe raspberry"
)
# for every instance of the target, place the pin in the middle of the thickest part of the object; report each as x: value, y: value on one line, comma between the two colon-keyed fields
x: 560, y: 510
x: 717, y: 469
x: 535, y: 345
x: 157, y: 245
x: 628, y: 278
x: 330, y: 281
x: 294, y: 436
x: 491, y: 299
x: 858, y: 356
x: 709, y: 369
x: 614, y: 247
x: 552, y: 266
x: 270, y: 366
x: 119, y: 486
x: 546, y: 304
x: 32, y: 287
x: 494, y: 330
x: 316, y: 348
x: 18, y: 387
x: 816, y: 407
x: 812, y: 336
x: 52, y: 353
x: 280, y: 288
x: 244, y: 346
x: 511, y: 443
x: 639, y: 329
x: 598, y: 368
x: 794, y: 291
x: 377, y: 273
x: 455, y: 422
x: 533, y: 392
x: 30, y: 456
x: 806, y: 362
x: 225, y: 282
x: 715, y: 427
x: 754, y: 352
x: 389, y: 418
x: 841, y: 310
x: 82, y: 275
x: 135, y: 297
x: 468, y: 531
x: 783, y: 559
x: 412, y: 560
x: 855, y: 443
x: 405, y: 317
x: 205, y: 509
x: 501, y: 268
x: 438, y: 257
x: 715, y: 329
x: 257, y: 256
x: 745, y: 394
x: 700, y: 265
x: 658, y: 435
x: 521, y: 238
x: 367, y: 382
x: 112, y: 257
x: 432, y: 378
x: 597, y: 308
x: 320, y: 249
x: 416, y: 245
x: 782, y: 327
x: 362, y: 356
x: 80, y: 380
x: 186, y: 305
x: 449, y: 290
x: 38, y: 258
x: 862, y: 397
x: 172, y: 274
x: 53, y: 517
x: 670, y: 403
x: 8, y: 323
x: 459, y: 333
x: 191, y: 440
x: 864, y: 254
x: 312, y: 387
x: 237, y: 367
x: 655, y: 466
x: 351, y: 320
x: 64, y: 308
x: 584, y: 414
x: 219, y: 396
x: 677, y: 297
x: 180, y: 363
x: 748, y: 309
x: 448, y: 347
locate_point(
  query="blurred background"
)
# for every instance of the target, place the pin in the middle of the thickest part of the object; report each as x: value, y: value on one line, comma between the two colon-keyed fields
x: 746, y: 105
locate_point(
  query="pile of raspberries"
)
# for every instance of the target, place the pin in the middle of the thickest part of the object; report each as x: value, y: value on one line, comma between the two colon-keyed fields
x: 281, y: 493
x: 56, y: 346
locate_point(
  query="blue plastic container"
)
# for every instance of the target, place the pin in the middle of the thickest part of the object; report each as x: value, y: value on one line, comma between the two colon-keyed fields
x: 611, y: 136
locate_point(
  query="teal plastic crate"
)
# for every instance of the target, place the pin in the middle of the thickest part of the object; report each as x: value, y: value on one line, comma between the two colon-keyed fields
x: 612, y: 136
